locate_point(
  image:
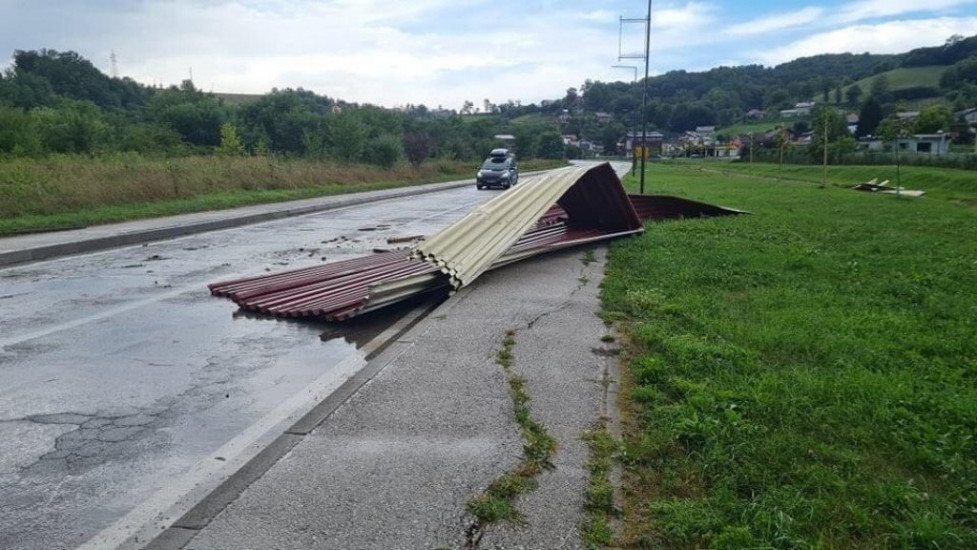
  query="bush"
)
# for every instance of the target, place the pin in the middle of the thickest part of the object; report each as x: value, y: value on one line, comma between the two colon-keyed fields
x: 384, y: 151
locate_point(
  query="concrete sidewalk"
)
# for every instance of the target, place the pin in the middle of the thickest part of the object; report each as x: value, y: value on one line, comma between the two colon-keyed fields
x: 42, y: 246
x: 395, y: 465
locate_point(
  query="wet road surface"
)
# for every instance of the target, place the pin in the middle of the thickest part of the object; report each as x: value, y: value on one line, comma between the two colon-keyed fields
x: 119, y: 372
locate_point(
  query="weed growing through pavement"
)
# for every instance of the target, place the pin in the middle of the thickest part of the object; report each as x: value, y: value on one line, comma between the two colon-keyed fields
x: 599, y: 495
x: 496, y: 504
x: 588, y: 257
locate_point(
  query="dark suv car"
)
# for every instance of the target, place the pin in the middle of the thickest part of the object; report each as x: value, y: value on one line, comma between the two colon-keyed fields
x: 498, y: 170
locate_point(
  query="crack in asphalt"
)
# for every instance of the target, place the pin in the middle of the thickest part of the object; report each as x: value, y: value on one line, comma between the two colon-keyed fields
x: 96, y: 438
x: 562, y: 306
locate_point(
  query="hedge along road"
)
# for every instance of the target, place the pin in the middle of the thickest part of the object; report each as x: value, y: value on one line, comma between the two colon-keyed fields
x: 121, y: 374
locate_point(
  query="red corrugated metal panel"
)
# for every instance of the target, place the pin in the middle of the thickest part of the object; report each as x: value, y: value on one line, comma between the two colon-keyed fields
x: 665, y: 207
x: 595, y: 208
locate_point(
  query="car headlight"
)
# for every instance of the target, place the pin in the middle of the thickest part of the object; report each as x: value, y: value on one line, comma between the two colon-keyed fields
x: 479, y: 174
x: 505, y: 176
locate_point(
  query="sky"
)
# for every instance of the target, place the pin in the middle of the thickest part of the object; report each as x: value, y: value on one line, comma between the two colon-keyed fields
x: 444, y: 52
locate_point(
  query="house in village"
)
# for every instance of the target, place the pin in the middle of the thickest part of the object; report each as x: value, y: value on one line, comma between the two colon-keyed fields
x: 602, y: 117
x: 927, y: 144
x: 967, y: 115
x: 755, y: 114
x: 635, y: 139
x: 799, y: 110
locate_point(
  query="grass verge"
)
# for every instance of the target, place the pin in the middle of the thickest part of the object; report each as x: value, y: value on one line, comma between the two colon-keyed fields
x: 62, y: 192
x: 497, y: 503
x: 939, y: 183
x: 804, y: 377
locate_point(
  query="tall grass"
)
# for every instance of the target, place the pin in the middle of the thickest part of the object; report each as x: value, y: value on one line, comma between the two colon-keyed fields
x: 64, y: 190
x: 802, y: 377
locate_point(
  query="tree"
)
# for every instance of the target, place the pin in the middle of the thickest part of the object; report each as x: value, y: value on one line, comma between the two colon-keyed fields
x: 960, y: 73
x: 26, y: 90
x: 869, y: 117
x: 384, y: 151
x: 880, y: 89
x: 196, y: 116
x: 350, y: 136
x: 826, y: 119
x: 418, y: 147
x: 570, y: 101
x: 932, y: 119
x: 17, y: 132
x: 853, y: 94
x: 230, y: 145
x: 550, y: 146
x: 71, y: 127
x: 610, y: 135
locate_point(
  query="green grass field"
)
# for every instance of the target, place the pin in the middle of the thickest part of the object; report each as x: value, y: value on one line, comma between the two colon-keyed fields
x: 804, y: 376
x: 756, y: 127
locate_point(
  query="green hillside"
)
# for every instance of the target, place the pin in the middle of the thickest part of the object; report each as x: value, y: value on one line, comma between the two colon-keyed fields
x: 902, y: 78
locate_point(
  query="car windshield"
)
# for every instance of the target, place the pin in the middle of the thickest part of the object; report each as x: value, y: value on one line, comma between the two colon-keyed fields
x: 495, y: 163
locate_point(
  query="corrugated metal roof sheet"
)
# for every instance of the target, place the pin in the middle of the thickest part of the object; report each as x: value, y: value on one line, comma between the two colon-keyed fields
x: 592, y: 197
x: 565, y: 208
x: 666, y: 207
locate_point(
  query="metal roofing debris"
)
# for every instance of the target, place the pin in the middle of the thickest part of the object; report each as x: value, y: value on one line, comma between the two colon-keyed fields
x: 665, y: 207
x: 592, y: 198
x: 563, y: 208
x: 873, y: 187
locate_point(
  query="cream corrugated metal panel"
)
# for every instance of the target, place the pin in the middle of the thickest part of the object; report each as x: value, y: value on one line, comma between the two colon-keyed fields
x: 465, y: 249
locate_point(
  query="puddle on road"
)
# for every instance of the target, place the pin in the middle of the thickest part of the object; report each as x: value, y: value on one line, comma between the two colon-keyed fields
x: 362, y: 329
x: 358, y: 331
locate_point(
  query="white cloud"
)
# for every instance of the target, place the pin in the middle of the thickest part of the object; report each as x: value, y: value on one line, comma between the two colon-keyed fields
x: 883, y: 38
x: 874, y: 9
x: 776, y: 22
x: 443, y: 51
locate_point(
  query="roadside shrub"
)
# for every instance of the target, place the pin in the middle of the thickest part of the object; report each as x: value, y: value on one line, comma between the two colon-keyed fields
x: 384, y: 151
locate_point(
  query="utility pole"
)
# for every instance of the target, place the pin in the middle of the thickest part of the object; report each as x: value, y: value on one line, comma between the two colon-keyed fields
x: 899, y: 137
x: 115, y: 65
x: 751, y: 153
x: 644, y: 91
x: 824, y: 172
x: 780, y: 168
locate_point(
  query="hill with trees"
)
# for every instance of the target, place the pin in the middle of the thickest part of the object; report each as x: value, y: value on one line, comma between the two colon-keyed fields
x: 58, y: 102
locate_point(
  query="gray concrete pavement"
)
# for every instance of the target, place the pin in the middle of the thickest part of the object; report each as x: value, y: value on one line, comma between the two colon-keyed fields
x: 394, y: 466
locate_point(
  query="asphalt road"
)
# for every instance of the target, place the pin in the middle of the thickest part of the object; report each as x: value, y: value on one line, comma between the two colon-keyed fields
x: 120, y: 374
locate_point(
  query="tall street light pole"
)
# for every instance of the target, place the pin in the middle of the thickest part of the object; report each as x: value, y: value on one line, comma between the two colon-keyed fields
x: 644, y: 99
x: 644, y: 91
